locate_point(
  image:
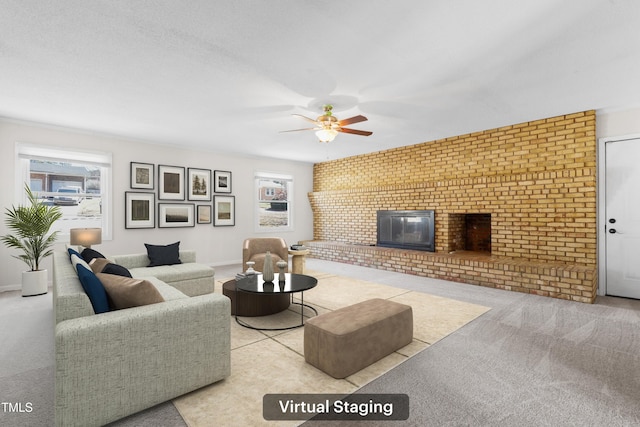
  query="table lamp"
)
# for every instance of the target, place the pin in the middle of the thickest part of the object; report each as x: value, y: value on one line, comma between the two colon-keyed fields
x: 86, y: 237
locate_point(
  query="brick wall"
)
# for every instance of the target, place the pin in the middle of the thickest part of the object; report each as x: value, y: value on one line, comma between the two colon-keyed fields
x: 456, y: 227
x: 536, y: 179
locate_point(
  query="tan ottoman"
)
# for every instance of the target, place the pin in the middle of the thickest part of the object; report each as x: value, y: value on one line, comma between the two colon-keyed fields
x: 346, y: 340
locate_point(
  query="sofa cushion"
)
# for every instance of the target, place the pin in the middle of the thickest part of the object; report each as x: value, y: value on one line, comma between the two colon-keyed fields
x: 142, y: 259
x: 103, y: 265
x: 132, y: 260
x: 93, y: 288
x: 163, y: 255
x: 174, y: 273
x: 88, y: 254
x: 125, y: 292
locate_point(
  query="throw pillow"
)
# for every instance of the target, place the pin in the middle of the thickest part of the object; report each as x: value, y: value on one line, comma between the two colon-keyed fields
x: 125, y: 292
x: 103, y: 265
x: 76, y: 260
x: 116, y: 269
x: 73, y: 252
x: 163, y: 255
x: 88, y: 254
x: 98, y: 264
x: 94, y: 289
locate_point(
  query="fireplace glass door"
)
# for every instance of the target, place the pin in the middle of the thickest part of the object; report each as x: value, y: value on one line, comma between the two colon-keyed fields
x: 406, y: 229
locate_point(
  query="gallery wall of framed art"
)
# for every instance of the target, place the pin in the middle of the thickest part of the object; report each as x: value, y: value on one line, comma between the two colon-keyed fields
x: 185, y: 197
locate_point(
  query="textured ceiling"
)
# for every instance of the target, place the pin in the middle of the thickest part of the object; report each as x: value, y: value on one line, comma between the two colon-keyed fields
x: 227, y: 75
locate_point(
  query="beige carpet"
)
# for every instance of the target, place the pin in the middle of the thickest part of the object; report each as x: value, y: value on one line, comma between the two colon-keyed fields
x: 273, y: 362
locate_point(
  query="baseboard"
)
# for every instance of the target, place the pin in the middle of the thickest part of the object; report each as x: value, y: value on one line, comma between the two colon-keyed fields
x: 7, y: 288
x: 223, y: 263
x: 18, y: 287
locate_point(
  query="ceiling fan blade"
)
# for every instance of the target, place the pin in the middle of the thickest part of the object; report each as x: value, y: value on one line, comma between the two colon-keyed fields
x: 351, y: 120
x: 355, y: 132
x: 297, y: 130
x: 306, y: 118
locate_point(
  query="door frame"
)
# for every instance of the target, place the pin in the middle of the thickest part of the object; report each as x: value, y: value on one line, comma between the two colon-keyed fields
x: 601, y: 207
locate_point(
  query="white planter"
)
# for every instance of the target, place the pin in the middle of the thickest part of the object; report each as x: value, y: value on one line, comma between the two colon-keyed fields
x: 34, y: 283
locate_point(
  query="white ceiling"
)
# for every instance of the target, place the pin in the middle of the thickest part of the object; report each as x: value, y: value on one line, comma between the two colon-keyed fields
x: 227, y: 75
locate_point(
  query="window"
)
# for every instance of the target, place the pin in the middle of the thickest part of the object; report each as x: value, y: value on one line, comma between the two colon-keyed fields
x: 77, y: 181
x: 273, y: 202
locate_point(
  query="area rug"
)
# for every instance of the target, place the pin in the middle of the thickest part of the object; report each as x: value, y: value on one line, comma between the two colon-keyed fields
x: 264, y: 362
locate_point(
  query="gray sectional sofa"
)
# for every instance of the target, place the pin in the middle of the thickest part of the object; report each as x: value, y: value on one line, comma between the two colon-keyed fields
x: 114, y: 364
x: 190, y: 278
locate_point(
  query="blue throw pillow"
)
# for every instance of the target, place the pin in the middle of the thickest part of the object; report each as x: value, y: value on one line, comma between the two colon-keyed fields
x: 94, y: 289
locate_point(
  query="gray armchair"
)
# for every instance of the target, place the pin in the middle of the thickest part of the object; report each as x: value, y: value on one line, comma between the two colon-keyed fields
x: 255, y: 249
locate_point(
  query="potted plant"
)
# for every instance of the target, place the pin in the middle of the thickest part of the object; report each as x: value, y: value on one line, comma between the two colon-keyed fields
x: 30, y: 227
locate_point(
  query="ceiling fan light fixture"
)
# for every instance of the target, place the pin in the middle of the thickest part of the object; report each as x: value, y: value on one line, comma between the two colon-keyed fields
x: 326, y: 135
x: 327, y: 126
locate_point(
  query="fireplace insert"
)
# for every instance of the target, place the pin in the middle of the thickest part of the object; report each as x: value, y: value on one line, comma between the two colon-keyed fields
x: 407, y: 230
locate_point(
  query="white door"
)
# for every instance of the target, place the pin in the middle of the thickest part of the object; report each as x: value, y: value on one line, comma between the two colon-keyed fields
x: 622, y: 212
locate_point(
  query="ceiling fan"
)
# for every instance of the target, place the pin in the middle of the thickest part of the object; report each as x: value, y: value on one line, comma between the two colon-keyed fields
x: 328, y: 126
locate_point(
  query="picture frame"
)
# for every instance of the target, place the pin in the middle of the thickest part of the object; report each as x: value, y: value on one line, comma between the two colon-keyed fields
x: 203, y: 214
x: 170, y: 182
x: 222, y: 181
x: 139, y: 210
x: 142, y: 175
x: 224, y: 211
x: 199, y: 184
x: 174, y: 215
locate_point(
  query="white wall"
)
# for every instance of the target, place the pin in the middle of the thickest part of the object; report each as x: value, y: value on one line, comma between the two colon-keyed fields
x: 214, y: 245
x: 617, y: 123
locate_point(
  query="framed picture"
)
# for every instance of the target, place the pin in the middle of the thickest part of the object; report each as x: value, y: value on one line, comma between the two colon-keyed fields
x: 224, y: 211
x: 172, y: 215
x: 142, y: 175
x: 170, y: 182
x: 222, y: 181
x: 204, y: 214
x: 139, y: 210
x: 199, y: 184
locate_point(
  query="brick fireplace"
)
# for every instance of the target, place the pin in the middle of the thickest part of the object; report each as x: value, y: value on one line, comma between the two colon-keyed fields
x: 515, y: 207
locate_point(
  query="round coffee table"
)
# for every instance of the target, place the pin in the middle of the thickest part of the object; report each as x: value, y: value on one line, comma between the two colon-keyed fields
x: 293, y: 283
x: 253, y: 305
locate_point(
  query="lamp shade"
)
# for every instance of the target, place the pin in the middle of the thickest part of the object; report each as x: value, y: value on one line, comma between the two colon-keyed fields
x: 86, y: 236
x: 326, y: 135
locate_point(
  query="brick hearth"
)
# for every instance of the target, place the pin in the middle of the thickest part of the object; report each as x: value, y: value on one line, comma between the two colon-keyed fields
x: 558, y: 280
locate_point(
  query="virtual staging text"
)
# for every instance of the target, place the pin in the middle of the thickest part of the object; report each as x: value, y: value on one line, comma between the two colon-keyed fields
x: 335, y: 407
